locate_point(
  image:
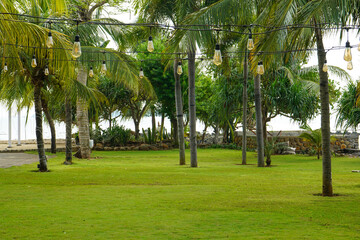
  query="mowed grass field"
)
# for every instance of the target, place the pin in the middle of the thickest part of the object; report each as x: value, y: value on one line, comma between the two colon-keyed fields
x: 147, y: 195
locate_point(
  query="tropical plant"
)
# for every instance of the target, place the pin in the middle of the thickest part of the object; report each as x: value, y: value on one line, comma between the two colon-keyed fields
x: 313, y: 137
x: 348, y: 115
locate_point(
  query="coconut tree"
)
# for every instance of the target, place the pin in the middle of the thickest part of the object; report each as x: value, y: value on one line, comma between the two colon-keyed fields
x: 18, y: 56
x: 315, y: 13
x: 158, y: 11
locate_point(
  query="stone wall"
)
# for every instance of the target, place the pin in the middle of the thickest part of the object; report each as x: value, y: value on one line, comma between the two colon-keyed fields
x: 338, y: 142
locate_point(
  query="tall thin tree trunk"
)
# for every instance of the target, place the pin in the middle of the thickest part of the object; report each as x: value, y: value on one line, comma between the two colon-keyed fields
x: 68, y: 122
x: 179, y: 115
x: 83, y: 119
x: 259, y: 127
x: 216, y: 137
x: 327, y: 189
x: 110, y: 120
x: 153, y: 123
x: 162, y: 127
x: 39, y: 129
x: 175, y: 131
x: 137, y: 128
x: 204, y: 134
x: 245, y: 99
x: 51, y: 123
x: 192, y: 106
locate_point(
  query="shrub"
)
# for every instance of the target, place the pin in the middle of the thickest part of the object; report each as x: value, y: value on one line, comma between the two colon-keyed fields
x: 116, y: 136
x: 96, y: 135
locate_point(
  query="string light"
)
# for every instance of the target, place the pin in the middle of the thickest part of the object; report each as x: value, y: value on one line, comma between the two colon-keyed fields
x: 46, y: 71
x: 347, y: 54
x: 250, y: 43
x: 349, y: 65
x: 325, y: 66
x: 260, y: 68
x: 103, y: 68
x: 5, y: 67
x: 49, y: 41
x: 76, y: 50
x: 141, y: 73
x: 150, y: 46
x: 217, y: 55
x: 179, y: 68
x: 33, y: 61
x: 359, y: 47
x: 91, y: 72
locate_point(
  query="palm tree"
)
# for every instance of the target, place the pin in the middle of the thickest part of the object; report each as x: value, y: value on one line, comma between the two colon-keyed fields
x: 19, y: 62
x: 315, y: 13
x: 166, y: 10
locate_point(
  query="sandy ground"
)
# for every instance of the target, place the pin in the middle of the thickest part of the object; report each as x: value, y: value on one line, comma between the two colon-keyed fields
x: 17, y: 159
x: 29, y: 145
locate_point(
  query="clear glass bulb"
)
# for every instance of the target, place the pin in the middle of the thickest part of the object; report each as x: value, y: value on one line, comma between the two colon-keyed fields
x: 33, y: 61
x: 76, y: 51
x: 141, y: 74
x: 250, y: 44
x: 46, y: 70
x: 260, y: 68
x: 325, y: 67
x: 49, y: 41
x: 349, y: 65
x: 5, y: 68
x: 217, y: 56
x: 91, y: 72
x: 359, y: 47
x: 150, y: 46
x: 347, y: 54
x: 103, y: 68
x: 179, y: 68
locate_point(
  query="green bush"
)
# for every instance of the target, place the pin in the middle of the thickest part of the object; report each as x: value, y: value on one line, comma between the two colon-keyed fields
x: 116, y: 136
x: 96, y: 135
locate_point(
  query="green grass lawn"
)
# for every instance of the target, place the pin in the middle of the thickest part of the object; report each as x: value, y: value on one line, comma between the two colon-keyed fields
x: 146, y: 195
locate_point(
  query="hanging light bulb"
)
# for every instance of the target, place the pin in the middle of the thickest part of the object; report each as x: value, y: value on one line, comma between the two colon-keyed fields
x: 217, y: 55
x: 179, y: 68
x: 250, y: 43
x: 103, y: 68
x: 76, y: 51
x: 347, y: 54
x: 325, y: 66
x: 49, y: 41
x: 91, y: 72
x: 260, y: 68
x: 5, y: 68
x: 150, y: 46
x: 359, y: 47
x: 349, y: 65
x: 33, y: 61
x: 141, y: 74
x: 46, y: 70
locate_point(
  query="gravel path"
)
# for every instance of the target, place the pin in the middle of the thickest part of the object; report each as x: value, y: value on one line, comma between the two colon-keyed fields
x: 17, y: 159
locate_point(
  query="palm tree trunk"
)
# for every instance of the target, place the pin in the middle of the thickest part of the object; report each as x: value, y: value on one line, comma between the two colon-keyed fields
x: 39, y: 129
x: 51, y: 123
x: 216, y: 137
x: 179, y: 115
x: 175, y: 132
x: 327, y: 189
x: 153, y: 123
x: 245, y: 98
x: 192, y: 107
x: 83, y: 119
x: 68, y: 122
x: 137, y: 128
x: 259, y: 127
